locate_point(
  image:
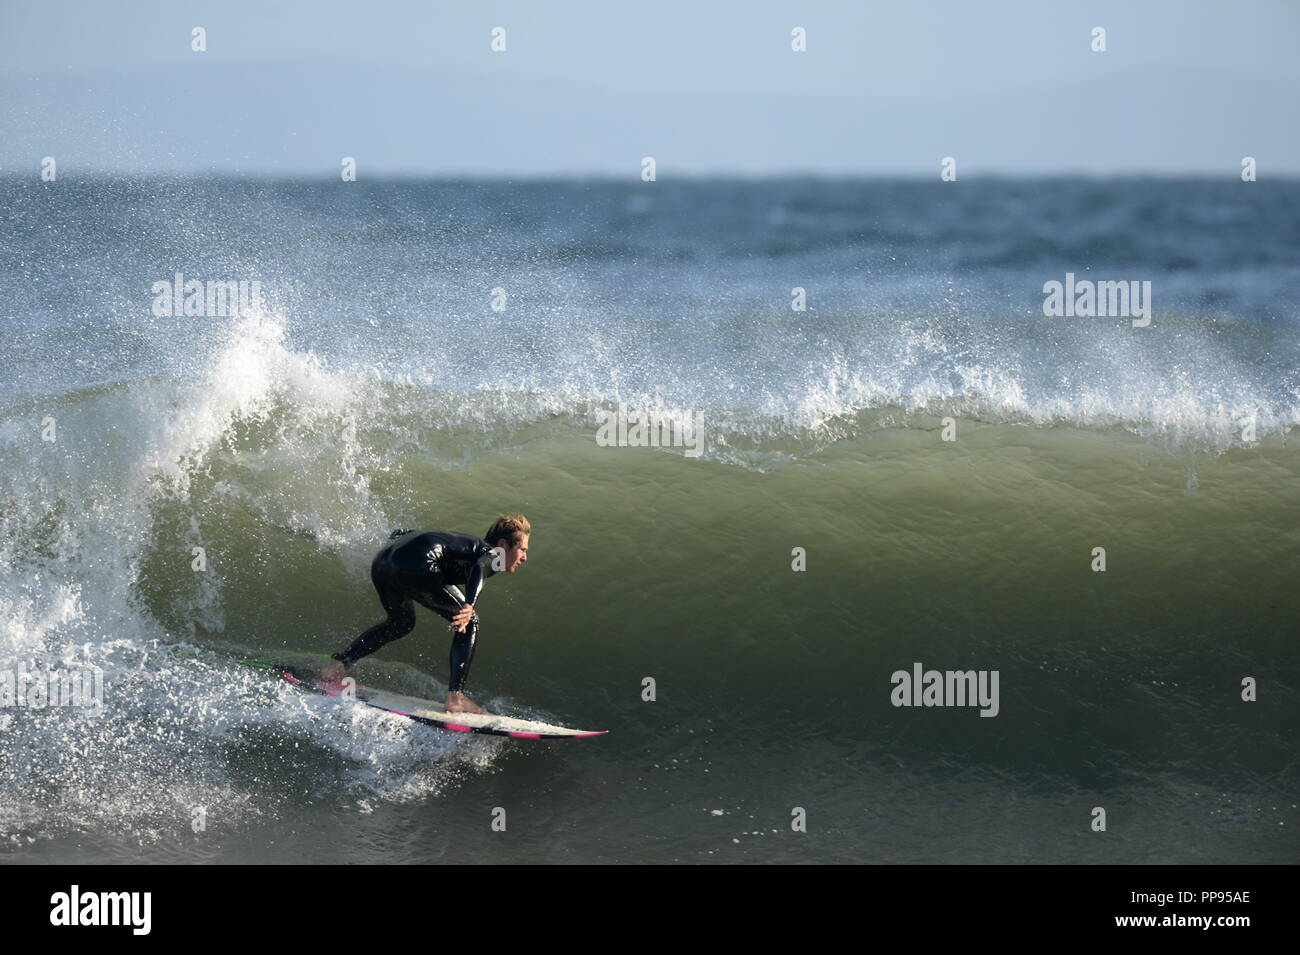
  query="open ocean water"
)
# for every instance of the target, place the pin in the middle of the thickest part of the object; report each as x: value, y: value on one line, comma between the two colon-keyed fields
x: 376, y: 387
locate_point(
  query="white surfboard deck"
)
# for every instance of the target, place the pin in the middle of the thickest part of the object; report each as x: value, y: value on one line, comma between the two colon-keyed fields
x: 432, y: 713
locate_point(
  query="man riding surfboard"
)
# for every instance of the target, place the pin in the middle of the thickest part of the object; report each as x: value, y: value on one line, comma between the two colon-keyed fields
x: 445, y: 573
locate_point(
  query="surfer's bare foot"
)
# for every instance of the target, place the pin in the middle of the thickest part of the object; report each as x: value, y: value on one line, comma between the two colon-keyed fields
x: 333, y: 672
x: 460, y: 703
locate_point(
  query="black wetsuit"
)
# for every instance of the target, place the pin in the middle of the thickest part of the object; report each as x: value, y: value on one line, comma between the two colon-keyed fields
x: 428, y: 568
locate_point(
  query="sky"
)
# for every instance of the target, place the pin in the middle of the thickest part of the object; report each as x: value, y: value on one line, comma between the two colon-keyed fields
x: 590, y: 88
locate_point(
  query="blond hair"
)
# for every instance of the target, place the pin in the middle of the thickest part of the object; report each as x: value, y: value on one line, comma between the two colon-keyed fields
x: 512, y: 527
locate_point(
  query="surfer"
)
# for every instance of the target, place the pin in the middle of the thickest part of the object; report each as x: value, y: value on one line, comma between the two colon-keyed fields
x: 444, y: 572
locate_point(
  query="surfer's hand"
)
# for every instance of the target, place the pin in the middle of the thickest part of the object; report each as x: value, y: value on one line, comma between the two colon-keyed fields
x: 460, y: 703
x: 462, y: 618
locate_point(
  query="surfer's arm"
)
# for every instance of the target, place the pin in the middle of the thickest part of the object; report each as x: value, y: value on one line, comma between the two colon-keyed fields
x: 464, y: 601
x: 466, y: 549
x: 474, y: 582
x: 474, y: 586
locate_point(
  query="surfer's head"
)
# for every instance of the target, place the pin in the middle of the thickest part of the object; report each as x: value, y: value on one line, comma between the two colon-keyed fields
x: 510, y: 532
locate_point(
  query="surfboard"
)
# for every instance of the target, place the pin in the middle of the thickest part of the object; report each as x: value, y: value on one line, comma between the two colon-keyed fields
x: 428, y: 712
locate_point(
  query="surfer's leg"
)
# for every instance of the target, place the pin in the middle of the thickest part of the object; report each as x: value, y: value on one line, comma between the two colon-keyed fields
x: 462, y: 653
x: 462, y: 644
x: 401, y: 621
x: 434, y: 596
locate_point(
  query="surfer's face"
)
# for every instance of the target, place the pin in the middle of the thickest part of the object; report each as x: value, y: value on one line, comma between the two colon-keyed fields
x: 516, y: 554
